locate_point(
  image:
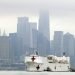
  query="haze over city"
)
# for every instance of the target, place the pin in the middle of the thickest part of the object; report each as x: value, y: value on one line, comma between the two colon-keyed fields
x: 62, y: 14
x: 33, y: 28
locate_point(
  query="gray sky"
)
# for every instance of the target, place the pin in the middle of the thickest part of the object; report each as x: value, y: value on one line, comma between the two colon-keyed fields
x: 62, y: 13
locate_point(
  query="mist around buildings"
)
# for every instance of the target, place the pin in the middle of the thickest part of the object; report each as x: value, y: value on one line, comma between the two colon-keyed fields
x: 28, y: 39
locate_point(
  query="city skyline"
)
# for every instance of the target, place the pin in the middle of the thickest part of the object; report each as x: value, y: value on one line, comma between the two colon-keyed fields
x: 11, y: 29
x: 28, y: 40
x: 36, y: 28
x: 62, y: 14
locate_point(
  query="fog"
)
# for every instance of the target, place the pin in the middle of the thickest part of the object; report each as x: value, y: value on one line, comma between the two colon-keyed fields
x: 62, y: 13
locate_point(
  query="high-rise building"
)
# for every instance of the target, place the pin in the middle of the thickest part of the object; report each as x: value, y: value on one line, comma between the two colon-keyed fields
x: 43, y: 34
x: 33, y: 28
x: 34, y: 35
x: 23, y: 30
x: 52, y: 47
x: 72, y: 55
x: 58, y: 43
x: 68, y: 44
x: 44, y: 27
x: 23, y: 33
x: 14, y: 51
x: 4, y: 49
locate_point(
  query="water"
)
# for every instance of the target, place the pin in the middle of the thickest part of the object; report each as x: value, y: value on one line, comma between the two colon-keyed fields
x: 34, y: 73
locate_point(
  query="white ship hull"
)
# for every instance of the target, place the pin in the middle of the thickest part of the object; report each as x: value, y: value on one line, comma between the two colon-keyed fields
x: 43, y: 64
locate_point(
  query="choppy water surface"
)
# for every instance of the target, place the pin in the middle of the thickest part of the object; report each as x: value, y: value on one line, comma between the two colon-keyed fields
x: 34, y: 73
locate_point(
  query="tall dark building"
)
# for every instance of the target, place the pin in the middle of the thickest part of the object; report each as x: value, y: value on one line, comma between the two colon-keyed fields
x: 33, y: 29
x: 26, y: 35
x: 44, y: 34
x: 52, y: 47
x: 23, y: 30
x: 14, y: 52
x: 34, y: 35
x: 58, y: 43
x: 44, y: 27
x: 23, y: 33
x: 4, y: 49
x: 68, y: 44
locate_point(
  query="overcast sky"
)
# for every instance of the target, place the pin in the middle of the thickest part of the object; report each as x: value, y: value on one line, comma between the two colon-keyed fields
x: 62, y: 13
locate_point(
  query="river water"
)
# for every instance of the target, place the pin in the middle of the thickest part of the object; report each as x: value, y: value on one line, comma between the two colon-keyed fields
x: 34, y: 73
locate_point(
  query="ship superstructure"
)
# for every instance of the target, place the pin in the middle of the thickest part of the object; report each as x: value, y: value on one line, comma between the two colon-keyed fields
x: 49, y: 63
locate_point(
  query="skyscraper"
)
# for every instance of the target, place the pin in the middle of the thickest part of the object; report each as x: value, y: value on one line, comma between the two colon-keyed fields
x: 44, y: 34
x: 4, y: 49
x: 68, y: 44
x: 44, y: 27
x: 23, y: 33
x: 33, y: 37
x: 33, y: 29
x: 23, y: 30
x: 14, y: 52
x: 58, y: 43
x: 52, y: 47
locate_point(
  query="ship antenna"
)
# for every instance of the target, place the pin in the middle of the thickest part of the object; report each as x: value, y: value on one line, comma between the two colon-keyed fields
x: 36, y: 52
x: 64, y: 53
